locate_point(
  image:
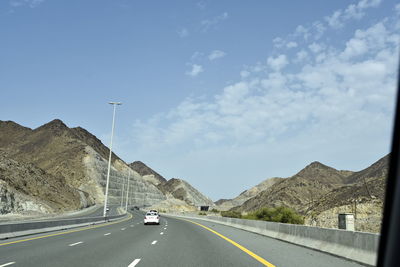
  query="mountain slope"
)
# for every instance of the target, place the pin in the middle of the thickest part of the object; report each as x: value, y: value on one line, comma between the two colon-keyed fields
x: 26, y: 188
x: 320, y: 192
x: 147, y: 173
x: 182, y: 190
x: 299, y: 191
x: 77, y: 156
x: 226, y: 204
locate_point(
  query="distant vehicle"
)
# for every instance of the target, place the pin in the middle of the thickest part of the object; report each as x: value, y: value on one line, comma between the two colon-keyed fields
x: 107, y: 209
x: 151, y: 218
x: 155, y: 211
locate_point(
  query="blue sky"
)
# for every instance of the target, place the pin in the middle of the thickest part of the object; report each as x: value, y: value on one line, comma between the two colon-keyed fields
x: 220, y: 93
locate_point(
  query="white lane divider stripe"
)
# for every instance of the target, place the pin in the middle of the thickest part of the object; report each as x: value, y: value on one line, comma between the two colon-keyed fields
x: 8, y: 263
x: 134, y: 263
x: 108, y: 234
x: 154, y: 242
x: 161, y: 233
x: 165, y: 228
x: 132, y: 225
x: 122, y: 229
x: 74, y: 244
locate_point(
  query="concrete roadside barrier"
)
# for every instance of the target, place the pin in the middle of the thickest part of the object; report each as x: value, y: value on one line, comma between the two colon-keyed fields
x: 357, y: 246
x: 11, y: 230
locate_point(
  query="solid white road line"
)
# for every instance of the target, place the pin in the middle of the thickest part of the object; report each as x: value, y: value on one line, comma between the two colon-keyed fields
x: 161, y: 233
x: 6, y: 264
x: 74, y: 244
x: 134, y: 263
x: 108, y: 234
x: 154, y: 242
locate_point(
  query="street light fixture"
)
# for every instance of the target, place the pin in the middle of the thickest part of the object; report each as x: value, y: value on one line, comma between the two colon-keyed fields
x: 109, y: 158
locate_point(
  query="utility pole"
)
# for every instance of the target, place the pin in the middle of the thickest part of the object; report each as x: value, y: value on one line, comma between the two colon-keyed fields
x: 127, y: 192
x: 109, y: 158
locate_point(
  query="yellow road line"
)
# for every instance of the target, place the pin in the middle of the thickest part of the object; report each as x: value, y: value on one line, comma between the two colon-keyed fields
x: 252, y: 254
x: 67, y: 232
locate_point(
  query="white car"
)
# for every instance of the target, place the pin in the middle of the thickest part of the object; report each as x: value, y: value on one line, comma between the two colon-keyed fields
x: 151, y: 218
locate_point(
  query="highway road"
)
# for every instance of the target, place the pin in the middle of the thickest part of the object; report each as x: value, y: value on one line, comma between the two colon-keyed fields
x: 175, y: 242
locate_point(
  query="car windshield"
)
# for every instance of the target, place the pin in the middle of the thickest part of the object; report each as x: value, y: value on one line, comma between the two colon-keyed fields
x: 267, y: 122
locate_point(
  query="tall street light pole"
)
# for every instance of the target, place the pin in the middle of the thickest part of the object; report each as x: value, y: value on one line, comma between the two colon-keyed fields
x: 127, y: 193
x: 109, y: 158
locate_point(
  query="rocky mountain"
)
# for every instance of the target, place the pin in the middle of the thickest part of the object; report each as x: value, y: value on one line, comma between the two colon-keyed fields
x: 320, y: 192
x: 299, y: 191
x: 25, y: 188
x: 226, y: 204
x: 77, y: 157
x: 182, y: 190
x: 180, y: 194
x: 147, y: 173
x: 363, y: 195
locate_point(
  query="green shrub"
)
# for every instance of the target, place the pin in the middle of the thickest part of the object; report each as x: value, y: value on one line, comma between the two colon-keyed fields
x: 215, y: 210
x: 231, y: 214
x: 278, y: 214
x: 202, y: 213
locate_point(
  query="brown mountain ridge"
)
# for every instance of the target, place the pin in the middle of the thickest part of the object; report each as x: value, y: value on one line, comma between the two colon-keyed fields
x: 319, y: 192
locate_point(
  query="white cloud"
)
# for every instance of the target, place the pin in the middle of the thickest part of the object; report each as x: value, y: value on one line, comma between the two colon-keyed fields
x: 301, y: 55
x: 319, y: 29
x: 208, y: 23
x: 302, y: 31
x: 367, y: 41
x: 315, y: 47
x: 291, y: 44
x: 335, y: 19
x: 29, y: 3
x: 201, y: 5
x: 195, y: 70
x: 197, y: 55
x: 216, y: 54
x: 183, y: 32
x: 278, y: 42
x: 353, y: 11
x: 244, y: 74
x: 278, y: 62
x: 334, y: 98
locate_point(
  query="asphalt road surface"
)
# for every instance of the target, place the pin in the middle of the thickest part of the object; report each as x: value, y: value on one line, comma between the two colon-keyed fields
x: 175, y: 242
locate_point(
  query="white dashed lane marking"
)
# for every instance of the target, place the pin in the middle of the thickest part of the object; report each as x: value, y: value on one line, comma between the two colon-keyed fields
x: 108, y: 234
x: 161, y: 233
x: 134, y: 263
x: 122, y: 229
x: 74, y: 244
x: 8, y: 263
x: 154, y: 242
x: 165, y: 228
